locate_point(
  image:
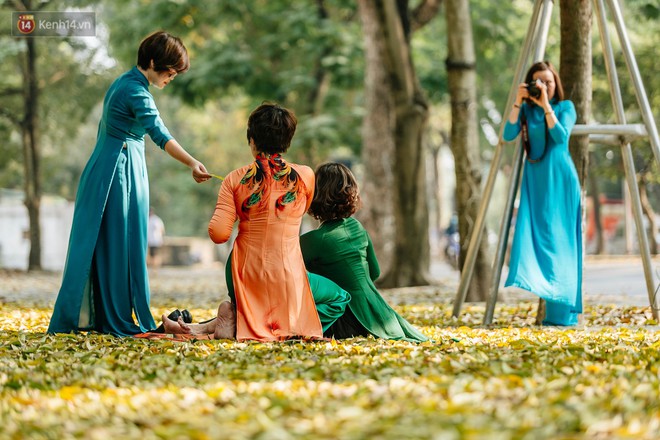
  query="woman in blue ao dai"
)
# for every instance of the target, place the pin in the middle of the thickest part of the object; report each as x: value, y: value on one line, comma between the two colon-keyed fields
x: 546, y: 253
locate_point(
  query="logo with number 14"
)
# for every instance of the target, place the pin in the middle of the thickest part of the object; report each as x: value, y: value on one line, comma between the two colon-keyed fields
x: 25, y: 23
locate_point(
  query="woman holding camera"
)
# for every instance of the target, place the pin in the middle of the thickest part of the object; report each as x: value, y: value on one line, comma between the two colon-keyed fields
x: 546, y: 254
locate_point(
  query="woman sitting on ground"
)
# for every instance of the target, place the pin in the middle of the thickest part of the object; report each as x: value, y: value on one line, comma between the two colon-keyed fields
x: 341, y: 250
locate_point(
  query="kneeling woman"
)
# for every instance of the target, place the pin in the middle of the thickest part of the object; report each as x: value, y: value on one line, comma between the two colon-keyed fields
x: 268, y: 197
x: 341, y: 250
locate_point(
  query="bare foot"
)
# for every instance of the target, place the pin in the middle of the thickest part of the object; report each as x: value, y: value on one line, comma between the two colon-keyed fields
x: 225, y: 325
x: 173, y: 327
x: 184, y: 326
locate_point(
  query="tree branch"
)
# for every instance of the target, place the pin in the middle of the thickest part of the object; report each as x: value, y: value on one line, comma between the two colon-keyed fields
x: 10, y: 92
x: 397, y: 50
x: 424, y: 13
x: 19, y: 6
x: 23, y: 6
x: 4, y: 113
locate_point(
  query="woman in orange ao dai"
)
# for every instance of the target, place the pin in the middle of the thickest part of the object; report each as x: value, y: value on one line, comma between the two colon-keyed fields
x: 269, y: 198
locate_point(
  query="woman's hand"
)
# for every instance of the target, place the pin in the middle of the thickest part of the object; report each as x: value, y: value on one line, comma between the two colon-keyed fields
x: 522, y: 94
x: 199, y: 172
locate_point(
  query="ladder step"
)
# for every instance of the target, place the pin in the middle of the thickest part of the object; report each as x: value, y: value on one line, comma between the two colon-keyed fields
x: 630, y: 130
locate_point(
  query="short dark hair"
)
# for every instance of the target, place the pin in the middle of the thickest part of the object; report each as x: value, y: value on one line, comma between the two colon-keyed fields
x: 166, y: 51
x: 336, y: 195
x: 546, y: 65
x: 271, y: 127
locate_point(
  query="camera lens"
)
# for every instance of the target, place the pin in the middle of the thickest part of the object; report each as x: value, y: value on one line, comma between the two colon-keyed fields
x: 534, y: 90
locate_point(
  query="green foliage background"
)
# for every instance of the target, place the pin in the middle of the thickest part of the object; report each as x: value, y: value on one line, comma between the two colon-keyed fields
x: 243, y: 53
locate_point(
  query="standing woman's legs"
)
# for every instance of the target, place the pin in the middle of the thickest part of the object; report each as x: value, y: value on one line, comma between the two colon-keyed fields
x: 559, y: 314
x: 138, y: 221
x: 112, y: 296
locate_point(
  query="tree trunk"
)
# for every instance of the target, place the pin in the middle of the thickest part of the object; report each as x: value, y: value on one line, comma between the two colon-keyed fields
x: 464, y: 143
x: 377, y: 141
x: 410, y: 259
x: 650, y: 215
x: 318, y: 93
x: 598, y: 220
x: 435, y: 194
x: 404, y: 116
x: 31, y: 154
x: 575, y: 72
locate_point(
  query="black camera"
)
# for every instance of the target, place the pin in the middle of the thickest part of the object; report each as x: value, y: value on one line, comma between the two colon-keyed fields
x: 533, y: 90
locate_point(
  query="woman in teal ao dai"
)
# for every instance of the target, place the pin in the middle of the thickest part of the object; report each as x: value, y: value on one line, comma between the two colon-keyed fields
x: 105, y: 279
x: 546, y: 254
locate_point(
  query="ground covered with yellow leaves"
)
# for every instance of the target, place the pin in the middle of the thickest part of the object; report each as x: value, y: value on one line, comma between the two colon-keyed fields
x: 512, y: 380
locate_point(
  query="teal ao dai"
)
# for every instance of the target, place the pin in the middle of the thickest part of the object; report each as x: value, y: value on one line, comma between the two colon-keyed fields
x: 546, y: 253
x: 105, y: 278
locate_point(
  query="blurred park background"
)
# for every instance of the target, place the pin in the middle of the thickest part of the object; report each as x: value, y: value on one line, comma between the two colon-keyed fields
x: 371, y: 92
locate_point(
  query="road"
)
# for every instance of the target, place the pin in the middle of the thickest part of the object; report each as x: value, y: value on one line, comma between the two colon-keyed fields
x: 617, y: 280
x: 620, y: 278
x: 609, y: 280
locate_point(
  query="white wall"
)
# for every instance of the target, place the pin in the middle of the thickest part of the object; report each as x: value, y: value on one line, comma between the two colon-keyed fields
x: 56, y: 218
